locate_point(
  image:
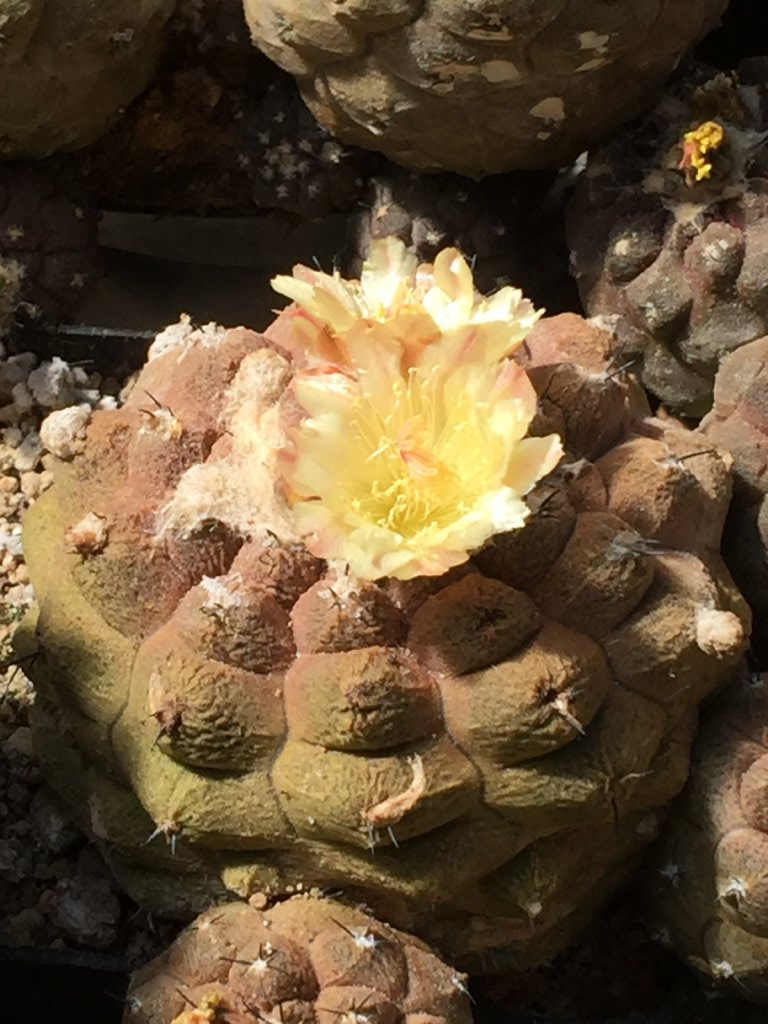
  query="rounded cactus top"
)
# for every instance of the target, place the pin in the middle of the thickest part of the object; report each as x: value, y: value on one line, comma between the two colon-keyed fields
x: 478, y: 87
x: 65, y: 71
x: 247, y: 683
x: 305, y: 960
x: 668, y: 229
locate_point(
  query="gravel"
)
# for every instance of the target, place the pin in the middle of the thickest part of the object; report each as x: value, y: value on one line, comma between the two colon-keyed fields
x: 56, y: 892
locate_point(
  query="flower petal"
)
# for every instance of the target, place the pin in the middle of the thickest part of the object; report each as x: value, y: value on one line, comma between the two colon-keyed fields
x: 324, y: 295
x: 532, y: 459
x: 385, y: 275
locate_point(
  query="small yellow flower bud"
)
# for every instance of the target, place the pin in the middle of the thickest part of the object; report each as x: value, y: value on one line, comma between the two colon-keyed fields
x: 695, y: 145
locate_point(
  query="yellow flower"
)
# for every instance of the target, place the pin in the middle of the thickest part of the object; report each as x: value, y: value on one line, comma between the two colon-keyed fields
x: 413, y: 452
x: 695, y: 145
x: 418, y: 313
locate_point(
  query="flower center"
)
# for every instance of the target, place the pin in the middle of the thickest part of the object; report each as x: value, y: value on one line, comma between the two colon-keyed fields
x: 423, y: 464
x: 407, y: 506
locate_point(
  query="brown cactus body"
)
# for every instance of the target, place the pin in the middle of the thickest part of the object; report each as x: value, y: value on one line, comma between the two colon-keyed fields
x: 478, y: 88
x: 738, y: 423
x: 479, y: 755
x: 65, y: 72
x: 48, y: 241
x: 511, y: 225
x: 679, y: 264
x: 10, y: 284
x: 222, y: 129
x: 304, y: 960
x: 708, y: 878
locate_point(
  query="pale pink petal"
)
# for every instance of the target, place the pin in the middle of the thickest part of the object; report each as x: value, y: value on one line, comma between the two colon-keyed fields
x: 332, y: 310
x: 453, y: 277
x: 508, y: 304
x: 472, y: 342
x: 306, y: 339
x: 416, y: 332
x: 386, y: 274
x: 452, y: 295
x: 532, y: 459
x: 343, y: 291
x: 319, y: 528
x: 376, y: 359
x: 326, y: 297
x: 323, y: 392
x: 513, y: 382
x: 298, y: 291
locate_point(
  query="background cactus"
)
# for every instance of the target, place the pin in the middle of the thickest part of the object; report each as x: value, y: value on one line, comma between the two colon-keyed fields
x: 483, y: 87
x: 738, y: 424
x: 66, y: 70
x: 680, y: 262
x: 306, y: 959
x: 221, y: 128
x: 480, y: 755
x: 10, y: 281
x: 47, y: 240
x: 510, y: 225
x: 708, y: 880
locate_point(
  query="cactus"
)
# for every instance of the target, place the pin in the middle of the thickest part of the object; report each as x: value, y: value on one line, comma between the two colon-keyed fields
x: 737, y: 423
x: 66, y: 71
x: 305, y: 959
x: 10, y: 282
x: 476, y: 734
x: 221, y: 128
x: 478, y: 87
x: 708, y: 882
x: 48, y: 244
x: 669, y: 232
x: 511, y: 225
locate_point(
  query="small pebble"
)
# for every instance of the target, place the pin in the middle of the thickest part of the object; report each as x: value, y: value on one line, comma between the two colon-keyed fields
x: 88, y: 912
x: 22, y: 397
x: 53, y: 384
x: 55, y: 889
x: 21, y: 928
x: 62, y: 432
x: 12, y: 436
x: 28, y: 453
x: 20, y: 743
x: 31, y: 485
x: 17, y: 794
x: 52, y: 825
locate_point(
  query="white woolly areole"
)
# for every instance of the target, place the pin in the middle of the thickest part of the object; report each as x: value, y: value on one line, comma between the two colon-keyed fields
x: 719, y: 633
x: 239, y: 488
x: 183, y: 336
x: 63, y: 431
x: 219, y: 594
x: 90, y: 533
x: 162, y: 421
x: 342, y: 581
x: 260, y: 381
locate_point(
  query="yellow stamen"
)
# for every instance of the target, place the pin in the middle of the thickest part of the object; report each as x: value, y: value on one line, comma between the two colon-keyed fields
x: 695, y: 145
